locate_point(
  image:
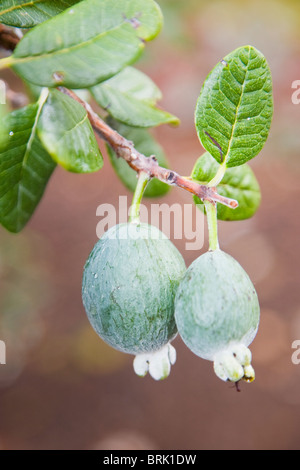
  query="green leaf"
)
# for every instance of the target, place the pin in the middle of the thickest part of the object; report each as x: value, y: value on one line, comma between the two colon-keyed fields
x: 66, y: 133
x: 238, y: 183
x: 25, y: 168
x: 130, y: 97
x: 145, y: 144
x: 3, y: 111
x: 234, y: 110
x: 26, y: 14
x: 87, y: 43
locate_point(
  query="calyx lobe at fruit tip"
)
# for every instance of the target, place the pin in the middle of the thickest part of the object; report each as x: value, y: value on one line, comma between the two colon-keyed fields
x: 157, y: 363
x: 234, y: 364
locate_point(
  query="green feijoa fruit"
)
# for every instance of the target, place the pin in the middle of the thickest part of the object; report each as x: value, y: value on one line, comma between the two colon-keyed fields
x: 129, y: 284
x: 217, y: 314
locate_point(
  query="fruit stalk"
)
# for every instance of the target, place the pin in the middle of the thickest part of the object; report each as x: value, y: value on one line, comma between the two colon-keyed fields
x: 143, y: 179
x: 212, y: 222
x: 128, y: 290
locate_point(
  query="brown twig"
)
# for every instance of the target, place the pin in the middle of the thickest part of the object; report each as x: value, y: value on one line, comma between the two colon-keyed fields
x: 125, y: 149
x: 16, y: 99
x: 8, y: 38
x: 139, y: 162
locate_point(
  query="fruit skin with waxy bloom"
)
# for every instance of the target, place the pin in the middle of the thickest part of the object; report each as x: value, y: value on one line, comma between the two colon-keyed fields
x: 129, y: 284
x: 217, y: 314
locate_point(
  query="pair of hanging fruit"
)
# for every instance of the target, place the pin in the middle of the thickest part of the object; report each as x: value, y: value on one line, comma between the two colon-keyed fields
x: 136, y: 289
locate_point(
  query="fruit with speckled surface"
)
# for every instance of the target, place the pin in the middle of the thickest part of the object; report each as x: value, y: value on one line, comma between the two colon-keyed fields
x: 216, y: 305
x: 129, y: 284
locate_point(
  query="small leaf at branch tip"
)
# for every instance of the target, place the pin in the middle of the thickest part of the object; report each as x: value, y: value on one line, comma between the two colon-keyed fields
x: 236, y: 104
x: 130, y: 97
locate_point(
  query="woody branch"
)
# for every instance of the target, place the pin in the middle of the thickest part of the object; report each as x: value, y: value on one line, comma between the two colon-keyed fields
x: 140, y: 163
x: 125, y: 149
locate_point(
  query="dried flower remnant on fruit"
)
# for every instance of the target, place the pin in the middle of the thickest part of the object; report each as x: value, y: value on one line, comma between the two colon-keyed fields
x: 157, y: 363
x: 131, y: 304
x: 217, y: 314
x: 234, y: 364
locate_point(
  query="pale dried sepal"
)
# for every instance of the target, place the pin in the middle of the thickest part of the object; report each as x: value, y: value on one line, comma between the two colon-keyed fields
x: 158, y: 363
x: 234, y: 364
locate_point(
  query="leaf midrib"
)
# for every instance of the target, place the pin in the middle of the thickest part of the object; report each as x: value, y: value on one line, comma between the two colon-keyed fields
x: 20, y: 7
x: 237, y: 110
x: 18, y: 60
x: 79, y: 123
x: 27, y: 151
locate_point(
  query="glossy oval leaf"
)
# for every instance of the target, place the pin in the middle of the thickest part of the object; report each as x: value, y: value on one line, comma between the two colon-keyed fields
x: 238, y: 183
x: 4, y: 133
x: 87, y: 43
x: 131, y: 97
x: 145, y: 143
x: 234, y: 110
x: 66, y: 133
x: 25, y: 168
x: 26, y: 14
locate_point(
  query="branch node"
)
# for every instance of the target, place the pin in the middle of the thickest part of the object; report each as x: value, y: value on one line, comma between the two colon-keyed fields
x: 171, y: 177
x: 139, y: 162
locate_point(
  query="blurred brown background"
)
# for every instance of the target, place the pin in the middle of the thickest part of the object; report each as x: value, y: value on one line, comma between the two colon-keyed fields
x: 62, y: 387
